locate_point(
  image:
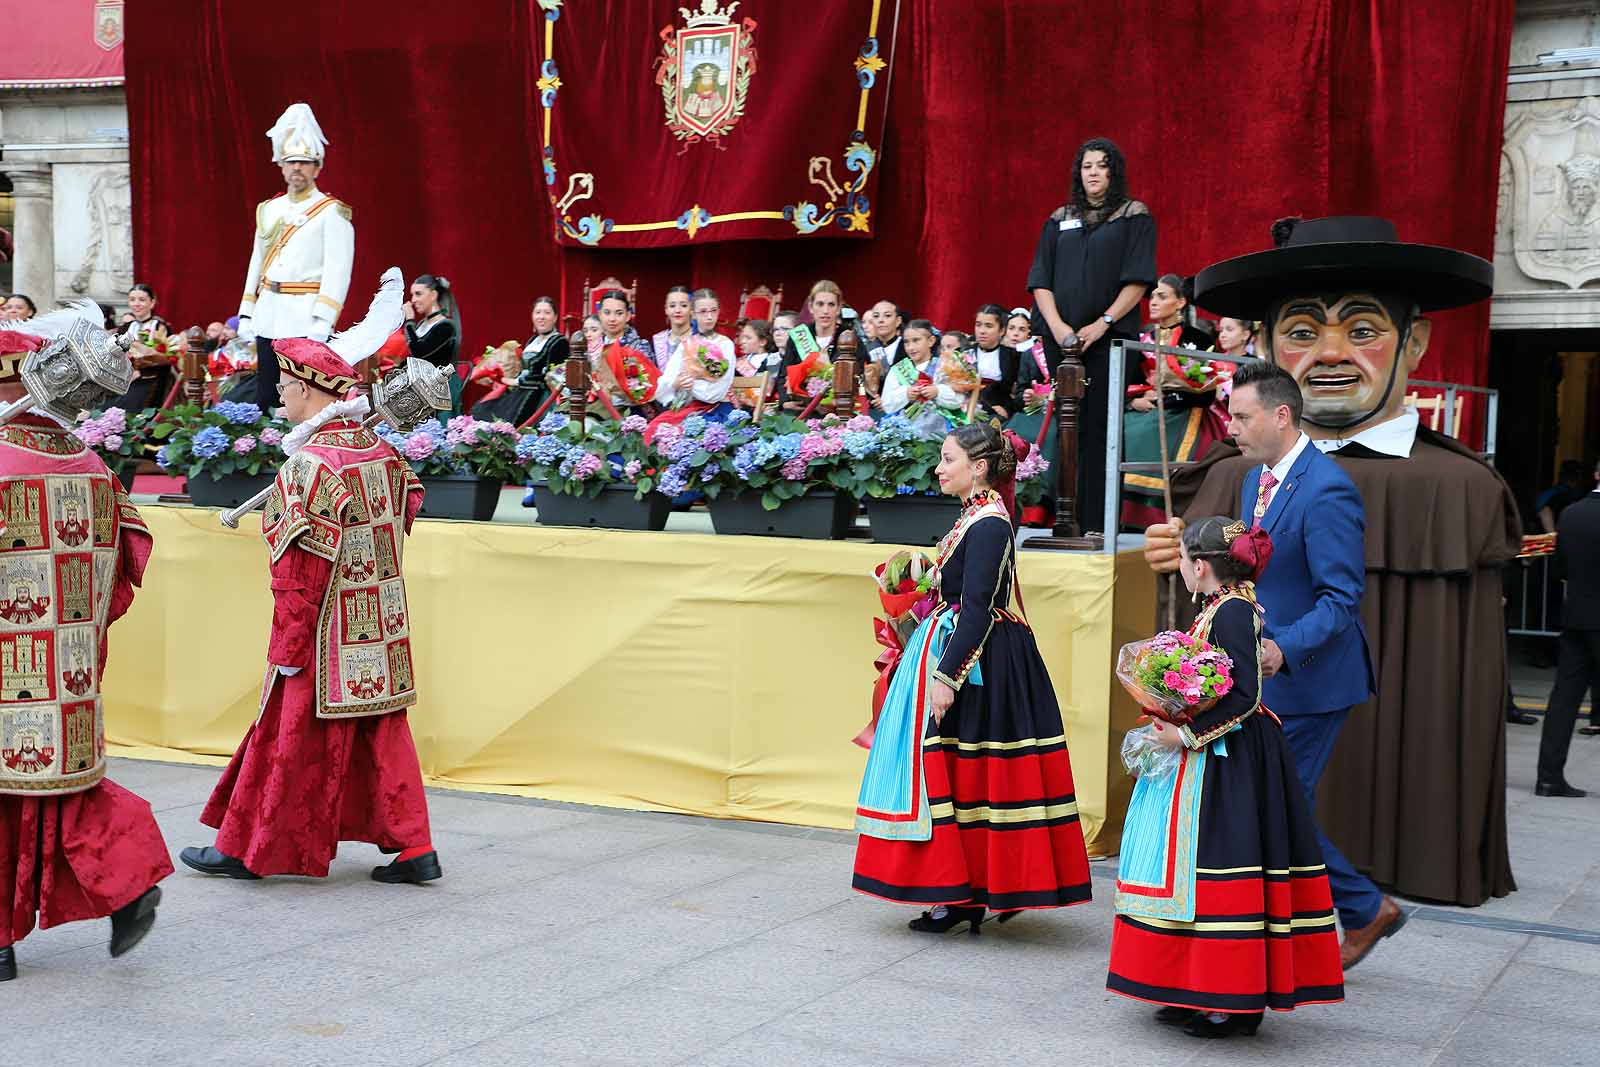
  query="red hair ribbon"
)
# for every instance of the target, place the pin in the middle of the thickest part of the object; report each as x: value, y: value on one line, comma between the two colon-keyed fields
x: 1253, y: 548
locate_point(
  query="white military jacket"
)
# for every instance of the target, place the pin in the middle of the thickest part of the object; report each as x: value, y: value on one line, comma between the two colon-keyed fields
x: 299, y: 266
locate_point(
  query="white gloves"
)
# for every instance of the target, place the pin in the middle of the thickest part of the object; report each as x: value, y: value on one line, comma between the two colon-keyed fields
x: 247, y: 329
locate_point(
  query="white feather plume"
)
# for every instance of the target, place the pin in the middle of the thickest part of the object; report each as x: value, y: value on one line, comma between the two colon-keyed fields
x: 53, y: 324
x: 297, y: 127
x: 383, y: 318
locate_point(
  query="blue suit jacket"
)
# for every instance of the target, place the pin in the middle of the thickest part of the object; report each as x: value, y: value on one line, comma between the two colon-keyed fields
x: 1312, y: 587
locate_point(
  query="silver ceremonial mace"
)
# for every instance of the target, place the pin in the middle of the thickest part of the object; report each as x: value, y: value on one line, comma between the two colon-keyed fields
x: 413, y: 393
x: 82, y: 368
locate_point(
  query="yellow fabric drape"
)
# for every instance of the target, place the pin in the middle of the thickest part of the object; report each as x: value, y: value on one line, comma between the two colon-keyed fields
x: 720, y: 676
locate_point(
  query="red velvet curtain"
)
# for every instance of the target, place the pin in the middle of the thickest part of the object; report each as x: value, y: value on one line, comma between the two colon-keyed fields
x: 1231, y: 112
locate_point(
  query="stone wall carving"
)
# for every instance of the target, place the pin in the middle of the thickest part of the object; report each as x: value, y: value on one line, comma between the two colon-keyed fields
x: 1553, y: 148
x: 93, y: 231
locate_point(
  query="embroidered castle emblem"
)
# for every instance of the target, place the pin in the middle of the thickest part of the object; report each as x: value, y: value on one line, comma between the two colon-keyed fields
x: 704, y: 72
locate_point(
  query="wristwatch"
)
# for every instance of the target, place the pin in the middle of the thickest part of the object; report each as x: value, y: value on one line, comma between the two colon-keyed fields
x: 1108, y: 320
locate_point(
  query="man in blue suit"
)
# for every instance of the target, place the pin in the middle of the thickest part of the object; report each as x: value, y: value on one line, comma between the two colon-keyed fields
x: 1314, y: 649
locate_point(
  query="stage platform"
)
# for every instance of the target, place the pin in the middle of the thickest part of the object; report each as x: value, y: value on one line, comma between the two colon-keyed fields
x: 720, y: 676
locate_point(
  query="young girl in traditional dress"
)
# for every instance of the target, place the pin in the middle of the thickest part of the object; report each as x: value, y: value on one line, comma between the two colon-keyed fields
x: 914, y: 386
x: 679, y: 326
x: 802, y: 341
x: 997, y: 361
x: 1223, y: 908
x: 689, y: 383
x: 967, y: 801
x: 756, y: 357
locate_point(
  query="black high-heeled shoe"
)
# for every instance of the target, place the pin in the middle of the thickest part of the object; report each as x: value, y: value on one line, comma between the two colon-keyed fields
x: 1212, y: 1024
x: 1006, y: 916
x: 1174, y: 1016
x: 930, y: 923
x: 8, y: 963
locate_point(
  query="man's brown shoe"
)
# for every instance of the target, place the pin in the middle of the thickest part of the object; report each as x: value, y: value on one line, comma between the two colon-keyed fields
x: 1357, y: 943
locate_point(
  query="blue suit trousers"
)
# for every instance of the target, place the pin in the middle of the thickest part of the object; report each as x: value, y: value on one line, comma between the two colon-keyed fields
x: 1311, y: 739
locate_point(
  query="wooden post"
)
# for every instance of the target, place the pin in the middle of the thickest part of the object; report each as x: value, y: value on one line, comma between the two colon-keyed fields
x: 192, y: 366
x: 369, y: 374
x: 577, y: 387
x: 844, y: 374
x: 1067, y: 533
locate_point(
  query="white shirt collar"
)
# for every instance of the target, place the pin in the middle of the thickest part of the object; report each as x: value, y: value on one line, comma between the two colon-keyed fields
x: 1280, y: 470
x: 1394, y: 437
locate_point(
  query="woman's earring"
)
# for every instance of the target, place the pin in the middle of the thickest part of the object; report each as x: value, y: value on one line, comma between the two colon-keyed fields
x: 1194, y: 596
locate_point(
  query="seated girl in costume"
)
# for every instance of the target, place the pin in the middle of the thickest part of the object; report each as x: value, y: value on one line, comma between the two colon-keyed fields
x: 757, y: 356
x: 679, y: 327
x: 997, y: 361
x: 916, y: 387
x: 697, y: 376
x: 1032, y: 414
x: 1223, y: 907
x: 1194, y: 418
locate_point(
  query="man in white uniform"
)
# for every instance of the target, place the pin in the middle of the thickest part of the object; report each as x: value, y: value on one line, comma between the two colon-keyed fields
x: 301, y: 254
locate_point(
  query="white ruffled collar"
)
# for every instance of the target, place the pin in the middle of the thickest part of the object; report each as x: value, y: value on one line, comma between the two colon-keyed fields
x: 355, y: 408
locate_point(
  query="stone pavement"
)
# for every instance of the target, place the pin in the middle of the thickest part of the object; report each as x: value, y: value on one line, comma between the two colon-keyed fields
x: 564, y: 935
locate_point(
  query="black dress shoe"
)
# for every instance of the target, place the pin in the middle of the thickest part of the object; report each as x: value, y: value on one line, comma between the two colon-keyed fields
x: 1517, y: 716
x: 1558, y: 789
x: 425, y: 868
x: 8, y: 963
x: 942, y: 920
x: 1211, y: 1024
x: 209, y: 861
x: 131, y: 922
x: 1175, y: 1016
x: 1589, y: 731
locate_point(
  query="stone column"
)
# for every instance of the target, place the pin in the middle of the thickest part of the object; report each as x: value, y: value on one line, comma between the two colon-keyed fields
x: 34, y: 268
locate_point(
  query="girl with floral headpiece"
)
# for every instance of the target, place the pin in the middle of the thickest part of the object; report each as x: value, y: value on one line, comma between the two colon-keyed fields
x: 1223, y: 907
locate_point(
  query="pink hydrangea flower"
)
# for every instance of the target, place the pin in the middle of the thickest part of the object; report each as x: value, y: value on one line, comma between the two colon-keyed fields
x: 860, y: 424
x: 271, y: 437
x: 420, y: 446
x: 113, y: 441
x: 795, y: 469
x: 90, y: 433
x: 244, y: 444
x: 630, y: 470
x: 587, y: 467
x: 667, y: 433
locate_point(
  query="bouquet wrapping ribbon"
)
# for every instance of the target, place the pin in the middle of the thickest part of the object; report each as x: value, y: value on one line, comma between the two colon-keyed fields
x: 886, y: 663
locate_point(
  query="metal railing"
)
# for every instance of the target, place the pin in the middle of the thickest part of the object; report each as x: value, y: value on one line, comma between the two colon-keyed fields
x: 1531, y: 612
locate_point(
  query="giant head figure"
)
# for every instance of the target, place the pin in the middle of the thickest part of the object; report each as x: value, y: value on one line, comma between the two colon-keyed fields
x: 1341, y: 302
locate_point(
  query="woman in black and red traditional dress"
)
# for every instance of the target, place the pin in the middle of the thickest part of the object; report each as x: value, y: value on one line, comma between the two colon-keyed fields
x: 967, y: 802
x: 1223, y: 908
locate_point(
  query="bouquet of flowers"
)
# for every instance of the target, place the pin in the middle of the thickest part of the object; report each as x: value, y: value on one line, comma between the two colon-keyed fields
x: 907, y: 583
x: 1033, y: 482
x: 154, y: 348
x: 628, y: 373
x: 1191, y: 375
x: 581, y: 461
x: 959, y: 368
x: 225, y: 438
x: 1038, y: 397
x: 812, y: 377
x: 1173, y: 676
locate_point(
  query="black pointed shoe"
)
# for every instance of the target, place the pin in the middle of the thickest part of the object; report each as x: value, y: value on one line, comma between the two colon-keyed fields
x: 424, y: 868
x: 8, y: 963
x: 1558, y: 789
x: 942, y: 920
x: 209, y: 861
x: 1171, y: 1015
x: 131, y: 922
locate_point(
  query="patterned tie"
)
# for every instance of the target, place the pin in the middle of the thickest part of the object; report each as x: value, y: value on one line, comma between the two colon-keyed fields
x: 1264, y: 496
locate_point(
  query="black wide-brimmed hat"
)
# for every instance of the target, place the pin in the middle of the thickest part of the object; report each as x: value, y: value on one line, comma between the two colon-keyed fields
x: 1342, y: 253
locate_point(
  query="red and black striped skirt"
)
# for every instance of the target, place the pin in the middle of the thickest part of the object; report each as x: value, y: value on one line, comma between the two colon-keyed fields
x: 1005, y: 818
x: 1263, y: 932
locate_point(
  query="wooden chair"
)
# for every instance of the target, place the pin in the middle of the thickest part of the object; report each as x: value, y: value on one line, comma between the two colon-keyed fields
x: 593, y: 293
x: 973, y: 399
x: 1433, y: 408
x: 762, y: 383
x: 760, y: 303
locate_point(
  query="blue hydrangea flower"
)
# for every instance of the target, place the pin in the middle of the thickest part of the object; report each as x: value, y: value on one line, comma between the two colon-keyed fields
x: 162, y: 459
x: 788, y: 445
x: 737, y: 418
x: 240, y: 414
x: 683, y: 448
x: 674, y: 480
x: 525, y: 445
x: 694, y: 425
x: 710, y: 470
x: 546, y: 450
x: 210, y: 442
x: 554, y: 422
x: 860, y: 443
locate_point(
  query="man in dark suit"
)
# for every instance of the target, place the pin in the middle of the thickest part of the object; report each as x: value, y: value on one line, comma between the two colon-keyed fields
x: 1314, y: 649
x: 1578, y: 662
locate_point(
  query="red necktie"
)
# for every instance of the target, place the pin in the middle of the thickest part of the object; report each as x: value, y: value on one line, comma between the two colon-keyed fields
x: 1264, y: 496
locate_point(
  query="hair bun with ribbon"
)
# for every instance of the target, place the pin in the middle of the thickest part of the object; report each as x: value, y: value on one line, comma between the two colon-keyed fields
x: 1253, y: 548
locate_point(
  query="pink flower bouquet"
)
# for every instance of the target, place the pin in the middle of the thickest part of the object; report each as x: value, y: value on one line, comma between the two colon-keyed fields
x: 1174, y: 676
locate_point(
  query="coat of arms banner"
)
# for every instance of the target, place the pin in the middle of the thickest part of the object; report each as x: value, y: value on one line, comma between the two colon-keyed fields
x: 665, y: 123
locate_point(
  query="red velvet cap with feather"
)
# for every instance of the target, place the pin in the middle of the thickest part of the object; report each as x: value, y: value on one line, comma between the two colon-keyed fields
x: 331, y: 366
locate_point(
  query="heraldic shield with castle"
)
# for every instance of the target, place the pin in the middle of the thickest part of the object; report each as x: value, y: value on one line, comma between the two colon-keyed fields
x: 705, y: 70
